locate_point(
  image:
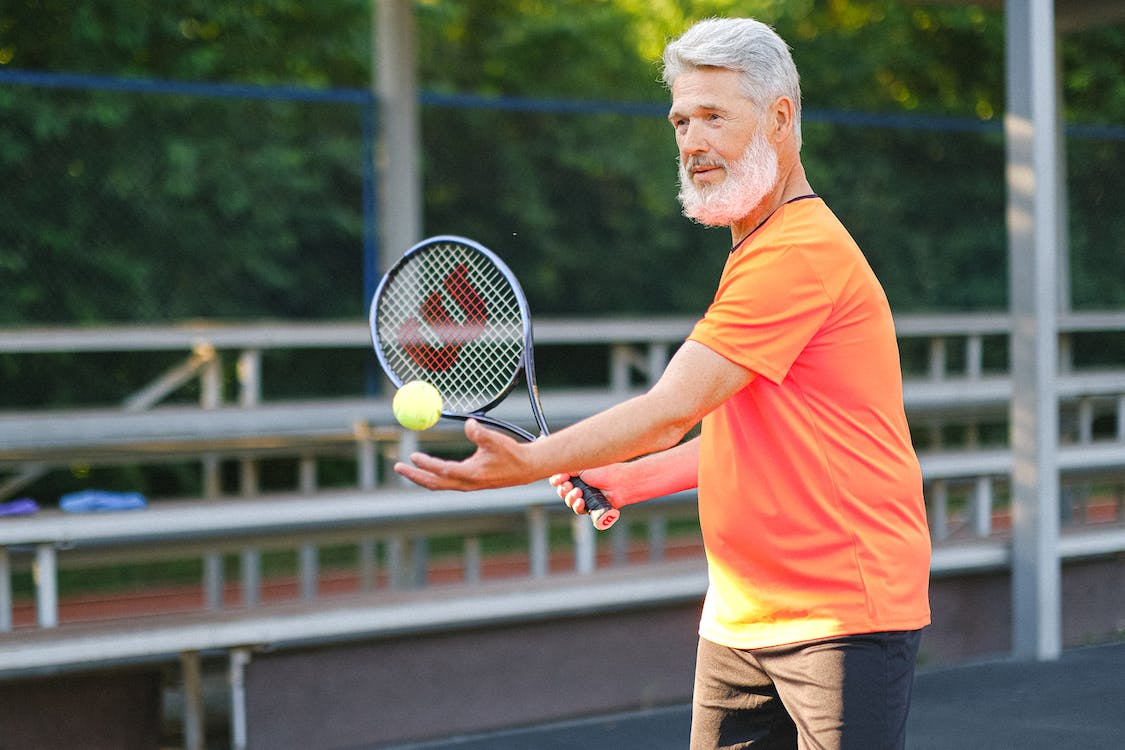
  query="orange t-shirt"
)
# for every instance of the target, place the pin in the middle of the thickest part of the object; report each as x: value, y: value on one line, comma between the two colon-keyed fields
x: 810, y: 493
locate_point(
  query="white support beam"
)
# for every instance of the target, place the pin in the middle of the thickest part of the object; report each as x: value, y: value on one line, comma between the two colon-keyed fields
x: 239, y: 730
x: 585, y: 545
x: 484, y: 605
x: 398, y: 154
x: 5, y: 591
x: 46, y: 585
x: 195, y: 736
x: 538, y: 541
x: 1031, y: 129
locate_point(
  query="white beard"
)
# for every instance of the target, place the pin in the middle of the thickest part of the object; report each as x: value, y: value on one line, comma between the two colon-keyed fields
x: 748, y: 180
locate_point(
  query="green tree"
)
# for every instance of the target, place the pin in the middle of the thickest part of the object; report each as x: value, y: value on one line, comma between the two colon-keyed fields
x: 596, y: 192
x: 126, y: 206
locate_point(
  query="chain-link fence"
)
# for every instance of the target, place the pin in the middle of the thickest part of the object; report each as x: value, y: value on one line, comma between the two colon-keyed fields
x: 129, y: 201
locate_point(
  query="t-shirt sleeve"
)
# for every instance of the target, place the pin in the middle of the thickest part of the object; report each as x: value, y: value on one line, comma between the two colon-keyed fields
x: 769, y: 306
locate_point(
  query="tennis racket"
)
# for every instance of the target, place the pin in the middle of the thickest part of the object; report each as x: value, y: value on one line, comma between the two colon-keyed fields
x: 449, y: 312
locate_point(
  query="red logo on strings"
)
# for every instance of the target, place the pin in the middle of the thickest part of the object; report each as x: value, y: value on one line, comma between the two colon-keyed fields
x: 447, y: 329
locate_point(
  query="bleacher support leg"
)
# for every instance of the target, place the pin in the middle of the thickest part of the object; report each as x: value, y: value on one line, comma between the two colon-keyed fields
x: 538, y: 543
x: 46, y: 586
x: 239, y: 658
x: 193, y: 701
x: 585, y: 545
x: 5, y: 591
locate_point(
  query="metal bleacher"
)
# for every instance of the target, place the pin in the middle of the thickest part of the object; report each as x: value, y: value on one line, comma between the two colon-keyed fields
x: 955, y: 390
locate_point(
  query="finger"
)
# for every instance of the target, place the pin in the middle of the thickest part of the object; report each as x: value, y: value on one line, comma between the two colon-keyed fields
x: 563, y: 478
x: 562, y: 485
x: 416, y: 475
x: 576, y: 501
x: 429, y: 472
x: 478, y: 433
x: 431, y: 464
x: 568, y: 492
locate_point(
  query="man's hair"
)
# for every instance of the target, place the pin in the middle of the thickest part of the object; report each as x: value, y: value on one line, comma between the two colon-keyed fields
x: 750, y: 47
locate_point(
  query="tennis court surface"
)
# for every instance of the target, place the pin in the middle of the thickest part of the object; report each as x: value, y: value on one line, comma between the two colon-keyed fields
x: 1075, y: 702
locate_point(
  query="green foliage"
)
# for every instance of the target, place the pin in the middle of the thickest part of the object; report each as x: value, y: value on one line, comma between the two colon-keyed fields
x: 127, y: 206
x: 153, y: 206
x: 555, y: 192
x: 123, y: 206
x: 267, y: 42
x: 173, y: 208
x: 931, y: 251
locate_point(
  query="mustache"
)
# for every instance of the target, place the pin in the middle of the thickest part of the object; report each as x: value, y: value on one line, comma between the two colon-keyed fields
x: 703, y: 162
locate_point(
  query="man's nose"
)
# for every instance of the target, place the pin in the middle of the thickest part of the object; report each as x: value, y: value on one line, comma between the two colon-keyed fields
x: 693, y: 140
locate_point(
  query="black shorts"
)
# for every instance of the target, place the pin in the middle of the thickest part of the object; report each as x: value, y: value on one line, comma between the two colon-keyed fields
x: 845, y: 693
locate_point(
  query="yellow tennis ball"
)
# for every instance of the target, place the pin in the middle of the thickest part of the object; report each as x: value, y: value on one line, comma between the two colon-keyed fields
x: 417, y: 405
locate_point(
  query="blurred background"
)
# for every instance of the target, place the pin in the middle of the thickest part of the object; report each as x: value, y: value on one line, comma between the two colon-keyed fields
x: 208, y: 159
x: 218, y: 160
x: 169, y: 167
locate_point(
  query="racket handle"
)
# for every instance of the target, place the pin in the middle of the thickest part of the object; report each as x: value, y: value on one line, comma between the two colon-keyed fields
x: 602, y: 514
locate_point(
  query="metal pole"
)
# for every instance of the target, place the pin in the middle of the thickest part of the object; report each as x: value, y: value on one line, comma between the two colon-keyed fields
x: 239, y: 734
x: 5, y: 591
x: 398, y: 157
x: 538, y: 541
x: 1030, y: 128
x: 585, y: 545
x: 46, y: 585
x: 194, y: 722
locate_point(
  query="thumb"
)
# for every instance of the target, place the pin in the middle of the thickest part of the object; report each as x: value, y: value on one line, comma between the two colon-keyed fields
x: 482, y: 437
x: 475, y: 431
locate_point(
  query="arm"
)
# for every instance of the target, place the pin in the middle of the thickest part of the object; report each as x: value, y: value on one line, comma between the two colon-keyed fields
x: 631, y: 482
x: 695, y: 382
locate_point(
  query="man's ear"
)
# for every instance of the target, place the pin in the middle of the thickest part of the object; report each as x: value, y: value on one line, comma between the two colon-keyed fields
x: 780, y: 119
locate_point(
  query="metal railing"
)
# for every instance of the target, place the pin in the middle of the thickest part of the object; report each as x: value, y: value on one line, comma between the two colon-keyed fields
x: 966, y: 484
x: 392, y: 528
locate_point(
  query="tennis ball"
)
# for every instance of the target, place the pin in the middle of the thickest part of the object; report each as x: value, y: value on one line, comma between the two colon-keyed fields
x: 417, y: 405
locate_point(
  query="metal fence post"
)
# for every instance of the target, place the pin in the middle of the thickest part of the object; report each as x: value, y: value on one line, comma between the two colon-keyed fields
x: 1031, y: 129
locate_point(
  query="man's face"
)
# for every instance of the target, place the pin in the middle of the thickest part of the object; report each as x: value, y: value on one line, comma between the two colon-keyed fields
x: 727, y: 165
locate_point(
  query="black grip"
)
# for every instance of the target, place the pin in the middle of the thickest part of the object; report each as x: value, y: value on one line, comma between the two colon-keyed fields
x: 602, y: 514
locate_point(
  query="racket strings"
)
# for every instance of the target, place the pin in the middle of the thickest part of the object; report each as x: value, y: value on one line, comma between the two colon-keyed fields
x: 452, y: 318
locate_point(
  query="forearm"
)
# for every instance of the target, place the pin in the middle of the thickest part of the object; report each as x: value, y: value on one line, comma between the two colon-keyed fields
x: 643, y: 425
x: 656, y: 475
x: 695, y: 382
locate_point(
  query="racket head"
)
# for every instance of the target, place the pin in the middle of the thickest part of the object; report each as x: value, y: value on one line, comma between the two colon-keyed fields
x: 450, y: 312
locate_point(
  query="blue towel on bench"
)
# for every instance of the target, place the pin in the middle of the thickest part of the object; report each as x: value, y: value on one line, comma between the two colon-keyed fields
x: 88, y: 501
x: 24, y: 506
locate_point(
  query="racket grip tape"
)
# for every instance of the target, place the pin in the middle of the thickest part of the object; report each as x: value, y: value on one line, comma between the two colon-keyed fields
x: 602, y: 514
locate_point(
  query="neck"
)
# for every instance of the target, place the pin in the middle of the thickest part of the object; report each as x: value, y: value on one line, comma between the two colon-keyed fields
x: 793, y: 184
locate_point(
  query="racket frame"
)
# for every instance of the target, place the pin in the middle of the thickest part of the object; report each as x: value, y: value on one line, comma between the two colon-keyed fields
x: 602, y: 517
x: 526, y: 363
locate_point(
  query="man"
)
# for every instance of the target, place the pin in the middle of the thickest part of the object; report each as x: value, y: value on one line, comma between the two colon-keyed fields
x: 810, y: 495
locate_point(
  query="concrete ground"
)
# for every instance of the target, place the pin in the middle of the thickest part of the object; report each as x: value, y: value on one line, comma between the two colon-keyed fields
x: 1077, y: 701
